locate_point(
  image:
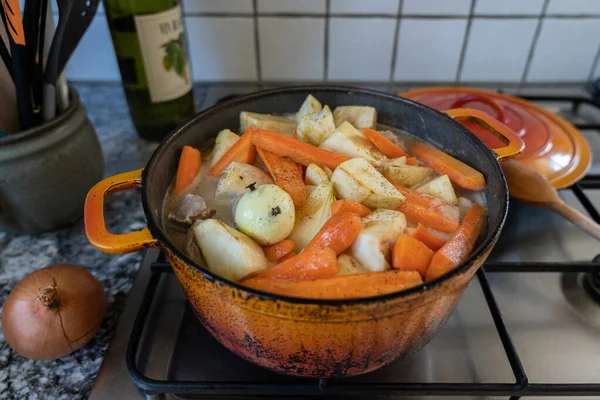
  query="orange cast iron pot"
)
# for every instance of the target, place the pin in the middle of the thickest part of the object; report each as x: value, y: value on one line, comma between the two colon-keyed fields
x: 303, y: 337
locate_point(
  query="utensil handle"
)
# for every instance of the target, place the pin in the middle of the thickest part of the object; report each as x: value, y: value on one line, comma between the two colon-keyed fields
x: 585, y: 223
x: 513, y: 142
x: 95, y: 225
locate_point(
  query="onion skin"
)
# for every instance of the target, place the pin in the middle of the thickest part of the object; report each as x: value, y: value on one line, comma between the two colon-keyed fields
x: 53, y: 312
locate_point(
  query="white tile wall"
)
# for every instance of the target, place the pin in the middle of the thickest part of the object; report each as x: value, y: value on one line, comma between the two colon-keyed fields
x: 565, y: 50
x: 360, y: 49
x: 437, y: 7
x: 217, y: 6
x: 497, y: 49
x: 429, y: 49
x: 364, y: 6
x: 296, y: 55
x: 360, y: 37
x: 222, y: 49
x: 94, y: 58
x: 508, y: 7
x: 291, y: 6
x: 574, y: 7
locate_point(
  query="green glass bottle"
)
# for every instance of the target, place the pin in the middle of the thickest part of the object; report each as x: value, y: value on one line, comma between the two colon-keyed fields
x: 149, y: 40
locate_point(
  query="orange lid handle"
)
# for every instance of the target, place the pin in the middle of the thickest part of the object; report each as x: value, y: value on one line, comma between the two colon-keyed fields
x: 514, y: 144
x: 95, y: 225
x: 501, y: 114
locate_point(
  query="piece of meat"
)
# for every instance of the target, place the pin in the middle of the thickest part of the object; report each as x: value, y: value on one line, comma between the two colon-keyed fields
x: 191, y: 208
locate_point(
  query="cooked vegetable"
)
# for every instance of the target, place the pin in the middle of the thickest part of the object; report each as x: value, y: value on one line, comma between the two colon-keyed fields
x: 429, y: 211
x: 315, y: 175
x: 459, y: 246
x: 298, y: 151
x: 405, y: 175
x: 340, y: 287
x: 223, y: 142
x: 346, y: 205
x: 349, y: 141
x: 422, y: 234
x: 242, y: 151
x: 348, y: 265
x: 459, y: 173
x: 379, y: 231
x: 266, y: 214
x: 286, y: 174
x: 412, y: 161
x: 384, y: 145
x: 312, y: 264
x: 338, y: 233
x: 266, y: 121
x: 53, y: 311
x: 228, y: 252
x: 277, y: 251
x: 236, y: 180
x: 310, y: 106
x: 288, y: 256
x: 189, y: 167
x: 358, y: 180
x: 409, y: 254
x: 190, y: 208
x: 440, y: 187
x: 464, y: 205
x: 316, y: 127
x: 311, y: 217
x: 359, y: 116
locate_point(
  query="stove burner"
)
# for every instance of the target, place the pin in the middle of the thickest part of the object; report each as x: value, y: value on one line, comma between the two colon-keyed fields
x: 591, y: 283
x: 582, y: 292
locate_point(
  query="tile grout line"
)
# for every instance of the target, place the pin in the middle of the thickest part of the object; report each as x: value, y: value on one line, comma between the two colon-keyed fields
x: 533, y: 45
x: 594, y: 65
x: 396, y: 40
x: 256, y: 40
x: 389, y: 16
x: 326, y: 41
x: 465, y: 43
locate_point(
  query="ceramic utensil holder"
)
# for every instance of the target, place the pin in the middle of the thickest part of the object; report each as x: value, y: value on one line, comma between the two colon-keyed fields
x: 46, y: 172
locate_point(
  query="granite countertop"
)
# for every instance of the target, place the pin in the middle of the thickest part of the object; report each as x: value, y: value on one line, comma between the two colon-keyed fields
x: 71, y: 377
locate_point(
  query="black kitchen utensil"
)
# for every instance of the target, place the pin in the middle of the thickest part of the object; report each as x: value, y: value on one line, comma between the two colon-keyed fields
x: 11, y: 16
x: 74, y: 17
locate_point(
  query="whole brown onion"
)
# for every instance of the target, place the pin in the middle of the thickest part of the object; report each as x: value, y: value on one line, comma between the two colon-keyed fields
x: 53, y: 312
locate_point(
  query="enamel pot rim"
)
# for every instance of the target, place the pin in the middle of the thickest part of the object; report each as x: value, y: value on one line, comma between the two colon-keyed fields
x: 480, y: 250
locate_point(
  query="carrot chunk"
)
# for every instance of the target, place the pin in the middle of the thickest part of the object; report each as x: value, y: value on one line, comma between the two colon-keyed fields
x: 302, y: 153
x: 459, y: 246
x: 277, y: 251
x: 243, y: 151
x: 338, y: 233
x: 189, y: 166
x: 319, y: 263
x: 340, y: 287
x: 422, y: 234
x: 428, y: 210
x: 409, y: 254
x: 286, y: 174
x: 383, y: 144
x: 347, y: 205
x: 459, y: 173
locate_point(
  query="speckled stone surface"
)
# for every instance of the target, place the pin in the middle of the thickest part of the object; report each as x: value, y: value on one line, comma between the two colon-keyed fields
x: 71, y: 377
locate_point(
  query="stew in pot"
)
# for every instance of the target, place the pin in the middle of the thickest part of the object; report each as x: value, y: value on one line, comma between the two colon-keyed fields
x: 324, y: 204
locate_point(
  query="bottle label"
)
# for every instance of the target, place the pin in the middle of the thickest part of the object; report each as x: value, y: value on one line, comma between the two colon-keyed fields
x: 164, y: 54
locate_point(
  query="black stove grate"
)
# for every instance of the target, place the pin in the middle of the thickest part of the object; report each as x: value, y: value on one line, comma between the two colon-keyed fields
x: 520, y: 387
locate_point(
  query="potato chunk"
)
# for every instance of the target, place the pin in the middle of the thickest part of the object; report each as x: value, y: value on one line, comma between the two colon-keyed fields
x: 359, y: 116
x: 266, y: 121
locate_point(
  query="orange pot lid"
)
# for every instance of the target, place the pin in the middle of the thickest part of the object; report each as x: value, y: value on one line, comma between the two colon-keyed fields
x: 553, y: 146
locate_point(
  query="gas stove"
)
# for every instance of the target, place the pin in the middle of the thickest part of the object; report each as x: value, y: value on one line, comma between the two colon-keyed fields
x: 529, y: 325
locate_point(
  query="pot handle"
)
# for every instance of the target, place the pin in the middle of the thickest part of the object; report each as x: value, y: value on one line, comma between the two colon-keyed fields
x: 513, y: 142
x: 95, y: 226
